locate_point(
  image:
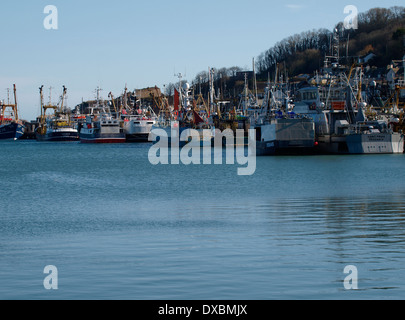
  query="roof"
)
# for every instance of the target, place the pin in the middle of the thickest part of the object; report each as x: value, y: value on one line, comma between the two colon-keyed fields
x: 376, y: 73
x: 367, y: 57
x: 147, y: 92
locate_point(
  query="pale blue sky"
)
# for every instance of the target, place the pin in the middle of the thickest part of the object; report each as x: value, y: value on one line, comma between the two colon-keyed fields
x: 141, y: 44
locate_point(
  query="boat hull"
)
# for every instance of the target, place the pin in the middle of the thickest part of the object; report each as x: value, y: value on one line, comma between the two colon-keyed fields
x: 106, y: 131
x: 102, y: 138
x: 58, y: 136
x: 205, y: 137
x: 332, y: 144
x: 375, y: 143
x: 140, y: 137
x: 11, y: 131
x: 138, y: 129
x: 286, y: 136
x: 274, y: 148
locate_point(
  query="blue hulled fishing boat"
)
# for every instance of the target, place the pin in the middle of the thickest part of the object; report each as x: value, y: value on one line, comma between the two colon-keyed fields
x: 11, y: 128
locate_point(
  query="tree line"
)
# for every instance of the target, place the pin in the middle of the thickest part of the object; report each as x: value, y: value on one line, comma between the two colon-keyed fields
x: 380, y: 31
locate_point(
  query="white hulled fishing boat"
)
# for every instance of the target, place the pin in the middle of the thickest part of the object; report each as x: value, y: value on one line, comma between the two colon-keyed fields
x: 101, y: 127
x: 138, y: 120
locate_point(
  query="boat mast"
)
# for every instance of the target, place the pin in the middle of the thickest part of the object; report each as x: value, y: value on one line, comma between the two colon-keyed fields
x: 181, y: 106
x: 246, y: 96
x: 140, y: 99
x: 125, y: 97
x: 41, y: 95
x: 15, y: 103
x: 63, y: 99
x: 50, y: 96
x: 211, y: 81
x: 359, y: 93
x: 2, y: 112
x: 4, y: 106
x: 98, y: 95
x: 110, y: 95
x: 9, y: 105
x: 276, y: 76
x: 254, y: 80
x: 100, y: 107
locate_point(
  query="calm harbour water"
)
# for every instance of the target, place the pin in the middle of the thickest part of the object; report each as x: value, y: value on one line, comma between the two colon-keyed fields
x: 117, y: 227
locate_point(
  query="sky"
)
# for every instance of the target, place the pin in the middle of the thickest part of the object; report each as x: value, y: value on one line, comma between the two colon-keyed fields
x: 139, y: 44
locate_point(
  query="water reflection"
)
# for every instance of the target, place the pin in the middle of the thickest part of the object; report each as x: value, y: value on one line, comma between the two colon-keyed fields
x: 368, y: 232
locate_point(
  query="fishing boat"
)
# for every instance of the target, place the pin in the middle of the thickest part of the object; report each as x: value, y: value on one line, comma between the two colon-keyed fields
x: 286, y: 135
x: 227, y: 117
x: 280, y: 131
x: 374, y: 137
x: 137, y: 127
x: 331, y: 120
x: 185, y: 118
x: 11, y: 128
x: 138, y: 120
x: 101, y: 127
x: 342, y: 126
x: 58, y: 126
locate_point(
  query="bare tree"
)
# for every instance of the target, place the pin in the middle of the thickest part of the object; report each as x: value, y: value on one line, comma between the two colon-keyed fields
x: 169, y: 89
x: 201, y: 77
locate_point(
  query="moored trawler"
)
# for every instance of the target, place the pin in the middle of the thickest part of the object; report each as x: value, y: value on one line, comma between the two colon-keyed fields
x: 185, y: 123
x: 137, y: 127
x: 279, y: 131
x: 57, y: 130
x: 101, y: 127
x: 57, y: 127
x: 288, y: 135
x: 137, y: 121
x: 11, y: 128
x: 331, y: 121
x: 342, y: 126
x: 374, y: 137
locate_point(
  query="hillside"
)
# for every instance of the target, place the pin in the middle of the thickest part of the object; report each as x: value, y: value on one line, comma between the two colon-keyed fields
x: 380, y: 32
